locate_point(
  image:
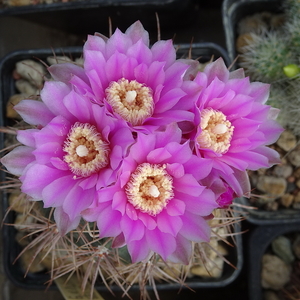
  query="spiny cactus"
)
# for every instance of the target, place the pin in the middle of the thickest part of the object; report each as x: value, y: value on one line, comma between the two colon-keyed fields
x: 266, y: 55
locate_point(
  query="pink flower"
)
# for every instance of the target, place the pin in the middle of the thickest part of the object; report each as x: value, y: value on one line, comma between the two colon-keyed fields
x: 158, y: 203
x: 234, y: 125
x: 74, y: 150
x: 141, y: 85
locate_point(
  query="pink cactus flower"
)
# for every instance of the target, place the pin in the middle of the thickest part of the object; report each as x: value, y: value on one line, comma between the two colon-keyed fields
x: 158, y: 203
x: 234, y: 125
x: 74, y: 150
x: 141, y: 85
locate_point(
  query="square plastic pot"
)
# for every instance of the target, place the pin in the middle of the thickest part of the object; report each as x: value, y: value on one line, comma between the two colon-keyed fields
x: 259, y: 240
x: 12, y: 248
x: 234, y: 11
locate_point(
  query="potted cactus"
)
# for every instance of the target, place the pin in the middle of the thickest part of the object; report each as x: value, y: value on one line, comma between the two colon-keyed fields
x: 128, y: 161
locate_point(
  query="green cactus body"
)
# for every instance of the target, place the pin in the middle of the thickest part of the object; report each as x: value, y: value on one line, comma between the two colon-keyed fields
x: 266, y: 56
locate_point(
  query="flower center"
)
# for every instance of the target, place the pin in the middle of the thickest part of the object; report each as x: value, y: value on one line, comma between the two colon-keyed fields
x: 216, y: 131
x: 86, y: 150
x: 131, y: 100
x: 150, y: 188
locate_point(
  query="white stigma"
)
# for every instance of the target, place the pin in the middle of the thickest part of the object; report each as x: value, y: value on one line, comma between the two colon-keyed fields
x: 82, y: 151
x: 220, y: 129
x: 130, y: 96
x: 154, y: 191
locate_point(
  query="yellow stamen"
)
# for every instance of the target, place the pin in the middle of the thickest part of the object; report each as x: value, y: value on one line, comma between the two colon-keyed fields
x: 216, y: 131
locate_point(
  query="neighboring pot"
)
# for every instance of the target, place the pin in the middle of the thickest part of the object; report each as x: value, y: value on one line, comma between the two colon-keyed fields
x: 259, y: 240
x: 235, y: 10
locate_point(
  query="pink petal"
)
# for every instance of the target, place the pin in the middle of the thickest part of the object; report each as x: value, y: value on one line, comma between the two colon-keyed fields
x: 55, y: 192
x: 46, y: 151
x: 36, y: 178
x: 169, y: 224
x: 136, y: 32
x: 164, y: 51
x: 147, y: 220
x: 168, y: 100
x: 78, y: 106
x: 65, y: 72
x: 34, y: 112
x: 162, y: 243
x: 183, y: 251
x: 140, y: 52
x: 158, y: 155
x: 175, y: 207
x: 63, y: 222
x: 141, y: 73
x: 114, y: 67
x: 118, y: 42
x: 18, y: 159
x: 195, y: 228
x: 89, y: 182
x: 156, y: 74
x: 94, y: 43
x: 132, y: 229
x: 217, y: 69
x: 175, y: 170
x: 139, y: 250
x: 53, y: 94
x: 77, y: 200
x: 201, y: 205
x: 26, y: 137
x: 187, y: 184
x: 119, y: 201
x: 109, y: 222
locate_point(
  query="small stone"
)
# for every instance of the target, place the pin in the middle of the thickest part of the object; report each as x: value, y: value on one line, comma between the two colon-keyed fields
x: 242, y: 41
x: 13, y: 100
x: 297, y: 197
x: 287, y: 140
x: 18, y: 2
x: 26, y: 88
x: 283, y: 170
x: 277, y: 20
x: 296, y: 173
x: 79, y: 61
x: 294, y: 157
x: 282, y: 247
x: 272, y: 206
x: 291, y: 186
x: 22, y: 221
x: 275, y: 272
x: 32, y: 71
x: 273, y: 186
x: 296, y: 205
x: 254, y: 23
x: 16, y: 202
x: 33, y: 265
x: 287, y: 200
x: 22, y: 238
x: 296, y: 246
x: 270, y: 295
x: 212, y: 269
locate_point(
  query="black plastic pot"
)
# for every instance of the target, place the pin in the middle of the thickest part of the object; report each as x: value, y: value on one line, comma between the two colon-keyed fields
x: 235, y: 10
x: 204, y: 51
x: 85, y: 16
x: 262, y: 217
x: 259, y: 241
